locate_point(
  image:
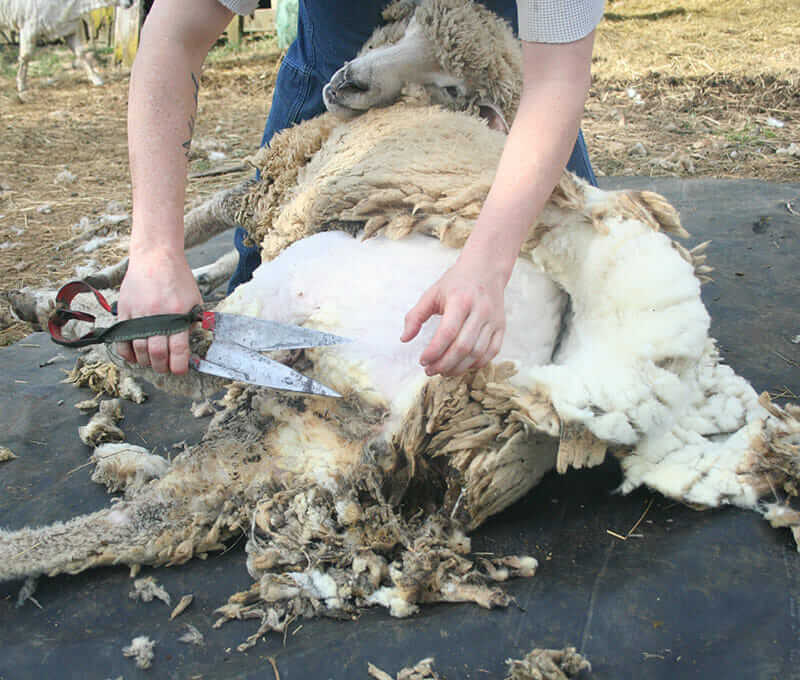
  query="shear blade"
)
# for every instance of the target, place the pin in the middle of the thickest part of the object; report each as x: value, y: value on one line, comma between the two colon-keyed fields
x: 262, y: 335
x: 229, y: 360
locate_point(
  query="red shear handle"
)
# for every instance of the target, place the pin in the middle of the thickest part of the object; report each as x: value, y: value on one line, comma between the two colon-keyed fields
x: 63, y: 314
x: 122, y: 331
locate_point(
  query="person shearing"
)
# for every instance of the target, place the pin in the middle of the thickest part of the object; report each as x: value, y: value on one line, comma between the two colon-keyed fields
x: 557, y: 43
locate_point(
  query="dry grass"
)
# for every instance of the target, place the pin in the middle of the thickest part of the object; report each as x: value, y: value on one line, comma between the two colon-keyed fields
x: 698, y: 38
x: 695, y: 87
x: 682, y: 88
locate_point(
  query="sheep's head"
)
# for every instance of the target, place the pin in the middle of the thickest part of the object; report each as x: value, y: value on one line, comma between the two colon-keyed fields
x: 464, y: 55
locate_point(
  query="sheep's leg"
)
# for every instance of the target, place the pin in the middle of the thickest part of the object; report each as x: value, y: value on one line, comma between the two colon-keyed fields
x: 213, y: 275
x: 109, y: 277
x: 81, y: 51
x: 101, y: 538
x: 215, y: 215
x: 32, y: 306
x: 27, y: 45
x: 147, y: 531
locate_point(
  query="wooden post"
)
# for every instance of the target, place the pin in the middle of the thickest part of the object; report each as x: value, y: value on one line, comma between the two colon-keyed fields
x: 99, y: 23
x: 235, y: 30
x: 126, y: 33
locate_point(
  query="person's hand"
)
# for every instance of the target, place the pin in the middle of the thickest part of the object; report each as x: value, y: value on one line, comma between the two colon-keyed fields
x: 470, y: 299
x: 158, y: 283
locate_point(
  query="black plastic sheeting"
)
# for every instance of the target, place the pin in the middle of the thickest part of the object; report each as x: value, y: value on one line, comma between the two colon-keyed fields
x: 699, y: 594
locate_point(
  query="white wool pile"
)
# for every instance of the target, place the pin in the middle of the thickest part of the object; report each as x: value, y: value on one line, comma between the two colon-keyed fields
x: 363, y: 290
x: 147, y: 589
x: 703, y: 457
x: 141, y: 650
x: 638, y: 324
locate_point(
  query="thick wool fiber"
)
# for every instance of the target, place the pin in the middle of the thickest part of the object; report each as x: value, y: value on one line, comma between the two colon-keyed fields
x: 102, y: 427
x: 548, y: 664
x: 126, y: 467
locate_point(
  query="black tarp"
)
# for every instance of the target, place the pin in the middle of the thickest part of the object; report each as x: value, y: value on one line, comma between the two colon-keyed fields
x: 699, y: 594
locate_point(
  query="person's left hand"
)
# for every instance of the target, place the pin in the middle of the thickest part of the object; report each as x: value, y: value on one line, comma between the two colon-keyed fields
x: 470, y: 299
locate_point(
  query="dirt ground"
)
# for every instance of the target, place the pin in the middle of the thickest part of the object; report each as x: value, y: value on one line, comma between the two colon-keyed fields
x: 687, y: 88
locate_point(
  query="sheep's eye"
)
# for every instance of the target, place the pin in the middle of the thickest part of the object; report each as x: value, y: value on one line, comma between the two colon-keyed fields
x: 452, y: 91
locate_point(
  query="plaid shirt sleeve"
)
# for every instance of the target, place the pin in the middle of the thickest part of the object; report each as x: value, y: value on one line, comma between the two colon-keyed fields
x: 558, y: 21
x: 240, y: 6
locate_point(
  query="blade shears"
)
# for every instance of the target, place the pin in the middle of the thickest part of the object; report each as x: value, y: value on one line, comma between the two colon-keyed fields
x: 234, y: 352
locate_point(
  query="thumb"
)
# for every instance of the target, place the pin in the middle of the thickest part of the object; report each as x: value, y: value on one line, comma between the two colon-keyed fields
x: 419, y: 314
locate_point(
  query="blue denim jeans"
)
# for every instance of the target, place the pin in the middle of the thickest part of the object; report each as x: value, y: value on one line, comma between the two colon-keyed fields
x: 324, y: 42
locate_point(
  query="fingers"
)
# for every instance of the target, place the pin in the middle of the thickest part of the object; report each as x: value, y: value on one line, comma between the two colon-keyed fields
x: 477, y: 355
x: 125, y: 350
x: 179, y: 353
x: 495, y: 344
x: 165, y: 354
x: 477, y: 340
x: 419, y: 314
x: 158, y: 352
x: 459, y: 361
x: 453, y: 340
x: 140, y: 351
x: 158, y: 282
x: 471, y: 330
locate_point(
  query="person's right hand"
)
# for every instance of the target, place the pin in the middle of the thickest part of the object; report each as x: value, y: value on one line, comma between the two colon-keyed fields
x: 158, y: 283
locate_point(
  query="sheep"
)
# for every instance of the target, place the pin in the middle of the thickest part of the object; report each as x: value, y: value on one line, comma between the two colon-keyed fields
x: 51, y: 19
x: 366, y: 500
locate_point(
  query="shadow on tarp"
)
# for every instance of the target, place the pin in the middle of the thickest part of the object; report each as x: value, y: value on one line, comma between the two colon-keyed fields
x: 699, y: 594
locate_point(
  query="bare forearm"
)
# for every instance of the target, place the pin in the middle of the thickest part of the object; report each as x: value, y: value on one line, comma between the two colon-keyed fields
x: 160, y: 123
x: 162, y: 109
x: 538, y: 147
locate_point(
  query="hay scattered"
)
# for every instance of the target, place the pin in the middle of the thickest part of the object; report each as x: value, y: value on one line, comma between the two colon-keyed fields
x: 102, y: 427
x: 181, y: 607
x: 696, y: 38
x: 103, y: 377
x: 6, y: 454
x: 548, y: 664
x: 422, y: 670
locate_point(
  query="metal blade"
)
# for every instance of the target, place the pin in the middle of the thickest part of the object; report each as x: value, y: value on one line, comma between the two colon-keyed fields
x: 263, y: 336
x: 232, y: 361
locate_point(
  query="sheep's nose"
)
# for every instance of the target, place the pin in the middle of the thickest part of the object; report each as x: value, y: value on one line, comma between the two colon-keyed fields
x: 344, y: 82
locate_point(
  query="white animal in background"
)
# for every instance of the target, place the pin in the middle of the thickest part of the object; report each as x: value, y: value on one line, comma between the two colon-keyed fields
x: 51, y: 19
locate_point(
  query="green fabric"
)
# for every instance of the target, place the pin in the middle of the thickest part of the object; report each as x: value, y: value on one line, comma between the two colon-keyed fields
x: 286, y: 22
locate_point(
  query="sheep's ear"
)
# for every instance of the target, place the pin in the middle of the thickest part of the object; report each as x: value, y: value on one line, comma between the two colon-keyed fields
x: 493, y: 116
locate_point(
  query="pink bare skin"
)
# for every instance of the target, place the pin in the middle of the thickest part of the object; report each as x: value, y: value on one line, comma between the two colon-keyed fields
x: 470, y: 295
x: 161, y: 108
